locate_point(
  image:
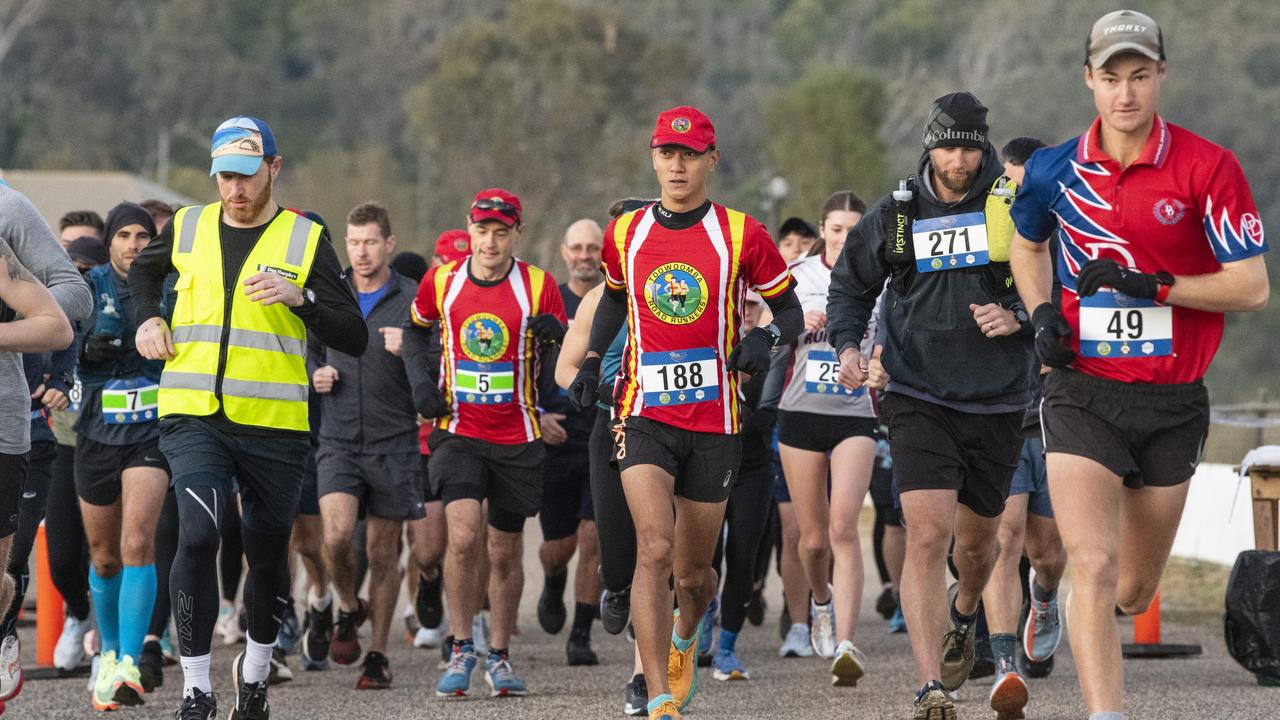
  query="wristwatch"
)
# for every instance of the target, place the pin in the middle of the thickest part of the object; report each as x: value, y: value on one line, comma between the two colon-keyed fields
x: 774, y: 334
x: 1164, y: 283
x: 308, y: 297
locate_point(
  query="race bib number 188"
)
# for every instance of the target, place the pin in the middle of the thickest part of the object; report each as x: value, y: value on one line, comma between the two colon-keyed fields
x: 1114, y: 325
x: 680, y: 377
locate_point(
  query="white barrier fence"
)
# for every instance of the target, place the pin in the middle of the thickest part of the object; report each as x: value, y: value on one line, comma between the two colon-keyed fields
x: 1211, y: 529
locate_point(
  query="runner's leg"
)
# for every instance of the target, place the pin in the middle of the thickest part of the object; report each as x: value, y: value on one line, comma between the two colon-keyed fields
x: 930, y: 516
x: 851, y: 478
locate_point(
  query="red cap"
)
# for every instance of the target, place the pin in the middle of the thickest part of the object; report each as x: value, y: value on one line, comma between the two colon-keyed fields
x: 495, y: 204
x: 453, y: 245
x: 685, y: 126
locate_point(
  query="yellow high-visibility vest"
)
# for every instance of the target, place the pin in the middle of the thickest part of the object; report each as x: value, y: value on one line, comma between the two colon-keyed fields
x: 233, y: 352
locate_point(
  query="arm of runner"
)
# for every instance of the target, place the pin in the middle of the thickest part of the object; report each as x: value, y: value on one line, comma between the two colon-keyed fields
x: 1240, y: 286
x: 856, y: 282
x: 574, y: 347
x: 422, y: 349
x: 147, y: 275
x: 33, y: 243
x: 40, y: 324
x: 335, y: 315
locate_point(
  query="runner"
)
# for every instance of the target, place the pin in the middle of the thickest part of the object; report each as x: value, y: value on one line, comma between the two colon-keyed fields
x: 1145, y: 287
x: 818, y: 419
x: 487, y: 445
x: 796, y: 238
x: 253, y: 281
x: 80, y: 223
x: 958, y: 348
x: 121, y: 475
x: 678, y: 404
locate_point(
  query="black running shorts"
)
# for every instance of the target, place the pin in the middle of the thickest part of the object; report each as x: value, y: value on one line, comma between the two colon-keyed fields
x: 821, y: 433
x: 703, y: 464
x: 566, y: 493
x: 1147, y: 434
x: 508, y: 476
x: 98, y: 467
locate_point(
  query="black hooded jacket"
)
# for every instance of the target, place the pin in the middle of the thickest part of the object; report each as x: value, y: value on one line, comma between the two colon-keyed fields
x: 933, y: 349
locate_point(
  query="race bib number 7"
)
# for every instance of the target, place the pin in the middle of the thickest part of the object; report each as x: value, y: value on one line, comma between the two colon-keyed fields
x: 680, y: 377
x: 950, y: 242
x: 131, y: 401
x: 1114, y: 325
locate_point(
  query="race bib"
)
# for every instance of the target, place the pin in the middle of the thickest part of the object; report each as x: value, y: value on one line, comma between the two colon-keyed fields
x: 1114, y: 325
x: 129, y: 402
x: 822, y: 374
x: 680, y: 377
x: 77, y: 392
x: 947, y: 243
x: 482, y: 383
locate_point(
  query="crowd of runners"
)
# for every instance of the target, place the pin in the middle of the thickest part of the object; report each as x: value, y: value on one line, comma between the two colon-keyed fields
x: 1003, y: 352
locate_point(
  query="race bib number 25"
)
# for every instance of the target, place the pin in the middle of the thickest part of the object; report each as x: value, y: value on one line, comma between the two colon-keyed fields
x: 822, y: 375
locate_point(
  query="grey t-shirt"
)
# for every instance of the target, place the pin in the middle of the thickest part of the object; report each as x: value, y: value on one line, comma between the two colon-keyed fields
x: 28, y: 239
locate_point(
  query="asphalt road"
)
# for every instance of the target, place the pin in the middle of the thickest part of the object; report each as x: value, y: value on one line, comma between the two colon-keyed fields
x: 1209, y: 686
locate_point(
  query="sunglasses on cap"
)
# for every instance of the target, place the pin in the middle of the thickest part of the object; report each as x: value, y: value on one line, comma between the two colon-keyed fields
x: 501, y: 206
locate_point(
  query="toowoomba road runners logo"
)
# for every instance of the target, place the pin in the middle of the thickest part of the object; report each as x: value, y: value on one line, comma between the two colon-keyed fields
x: 676, y: 293
x: 484, y: 337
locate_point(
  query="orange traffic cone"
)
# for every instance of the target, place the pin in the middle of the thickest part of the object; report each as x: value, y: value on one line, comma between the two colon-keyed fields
x: 1146, y: 637
x: 49, y: 607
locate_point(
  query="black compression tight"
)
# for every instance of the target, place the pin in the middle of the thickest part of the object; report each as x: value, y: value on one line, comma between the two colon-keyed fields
x: 30, y: 513
x: 877, y: 545
x: 613, y: 517
x: 166, y: 548
x: 69, y: 555
x: 746, y: 518
x: 231, y: 561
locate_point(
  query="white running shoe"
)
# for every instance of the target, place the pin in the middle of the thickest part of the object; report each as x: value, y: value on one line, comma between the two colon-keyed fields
x: 427, y: 638
x: 480, y: 633
x: 849, y: 666
x: 229, y: 625
x: 822, y: 627
x: 10, y: 667
x: 69, y: 652
x: 797, y: 642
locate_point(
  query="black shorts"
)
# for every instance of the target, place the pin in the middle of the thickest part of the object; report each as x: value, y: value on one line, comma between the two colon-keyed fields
x: 429, y: 494
x: 1147, y: 434
x: 821, y: 433
x: 387, y: 484
x: 938, y: 448
x: 703, y: 464
x: 566, y: 493
x: 508, y: 476
x: 309, y: 502
x: 98, y: 467
x: 13, y: 476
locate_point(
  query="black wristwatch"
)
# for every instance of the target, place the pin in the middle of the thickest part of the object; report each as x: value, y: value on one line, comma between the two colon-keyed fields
x: 774, y: 334
x: 308, y: 298
x: 1164, y: 281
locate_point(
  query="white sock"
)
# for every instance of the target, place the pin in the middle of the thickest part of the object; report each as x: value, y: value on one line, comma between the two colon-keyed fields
x: 320, y: 603
x: 257, y: 661
x: 1107, y: 715
x: 195, y: 674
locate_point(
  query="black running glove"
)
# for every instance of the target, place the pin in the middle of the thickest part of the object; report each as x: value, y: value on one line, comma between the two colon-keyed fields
x: 428, y: 401
x: 547, y: 328
x: 1051, y: 329
x: 585, y: 389
x: 101, y: 349
x: 751, y: 356
x: 1100, y: 271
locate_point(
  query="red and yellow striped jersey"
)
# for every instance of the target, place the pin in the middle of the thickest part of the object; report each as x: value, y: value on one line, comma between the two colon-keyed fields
x: 685, y: 292
x: 490, y: 364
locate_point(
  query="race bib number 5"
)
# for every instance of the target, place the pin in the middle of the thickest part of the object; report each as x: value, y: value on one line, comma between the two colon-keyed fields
x: 950, y: 242
x: 680, y: 377
x: 131, y: 401
x: 822, y: 374
x: 1114, y: 325
x: 485, y: 383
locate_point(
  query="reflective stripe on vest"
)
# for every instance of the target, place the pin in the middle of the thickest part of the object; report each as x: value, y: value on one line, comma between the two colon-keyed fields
x: 263, y: 380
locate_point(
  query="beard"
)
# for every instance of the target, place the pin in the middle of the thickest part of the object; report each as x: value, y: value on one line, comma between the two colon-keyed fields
x: 957, y: 181
x: 255, y: 207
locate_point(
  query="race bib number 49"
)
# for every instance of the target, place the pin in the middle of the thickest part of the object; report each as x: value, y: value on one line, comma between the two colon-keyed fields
x: 483, y: 383
x: 1114, y: 325
x: 822, y: 373
x: 131, y: 401
x: 680, y: 377
x: 951, y: 242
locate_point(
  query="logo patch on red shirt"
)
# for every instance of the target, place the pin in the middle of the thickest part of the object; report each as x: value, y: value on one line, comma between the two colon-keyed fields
x: 1169, y: 212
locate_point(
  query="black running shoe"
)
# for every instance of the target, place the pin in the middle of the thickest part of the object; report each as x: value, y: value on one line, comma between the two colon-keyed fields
x: 251, y: 698
x: 429, y: 605
x: 615, y: 611
x: 344, y: 646
x: 151, y: 666
x: 198, y: 706
x: 784, y: 622
x: 551, y: 610
x: 637, y: 704
x: 280, y: 672
x: 375, y: 672
x: 315, y: 638
x: 579, y: 650
x: 886, y: 604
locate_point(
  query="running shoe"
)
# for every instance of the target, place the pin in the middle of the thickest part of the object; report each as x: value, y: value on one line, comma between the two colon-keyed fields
x: 933, y: 703
x: 822, y: 626
x: 251, y: 698
x: 551, y: 610
x: 429, y: 606
x: 126, y: 685
x: 427, y: 637
x: 797, y: 643
x: 229, y: 625
x: 665, y: 711
x: 958, y: 647
x: 151, y: 665
x: 887, y: 603
x: 10, y: 667
x: 1033, y: 670
x: 93, y: 673
x: 1043, y: 630
x: 375, y: 672
x: 166, y: 646
x: 456, y: 680
x: 726, y: 666
x: 637, y: 702
x: 316, y: 630
x: 1008, y: 693
x: 411, y: 624
x: 706, y: 632
x: 579, y: 651
x: 345, y: 644
x: 756, y: 607
x: 502, y: 678
x: 198, y: 706
x: 849, y: 666
x: 287, y: 637
x: 103, y: 685
x: 279, y: 670
x: 480, y: 632
x: 69, y: 652
x: 682, y: 669
x: 615, y: 610
x: 897, y: 623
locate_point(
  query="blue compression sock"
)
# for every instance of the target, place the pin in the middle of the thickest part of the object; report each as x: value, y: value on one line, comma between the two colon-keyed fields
x: 728, y: 640
x: 137, y: 598
x: 105, y: 593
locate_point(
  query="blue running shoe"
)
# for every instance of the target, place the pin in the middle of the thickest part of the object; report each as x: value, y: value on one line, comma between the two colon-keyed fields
x: 287, y: 637
x: 502, y: 678
x: 727, y: 666
x: 898, y: 623
x: 706, y: 636
x: 456, y: 680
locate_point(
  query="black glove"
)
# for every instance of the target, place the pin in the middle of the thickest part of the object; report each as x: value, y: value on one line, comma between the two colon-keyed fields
x: 1099, y: 272
x: 547, y: 328
x: 1051, y: 328
x: 751, y: 356
x: 585, y: 389
x: 101, y: 349
x: 428, y: 401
